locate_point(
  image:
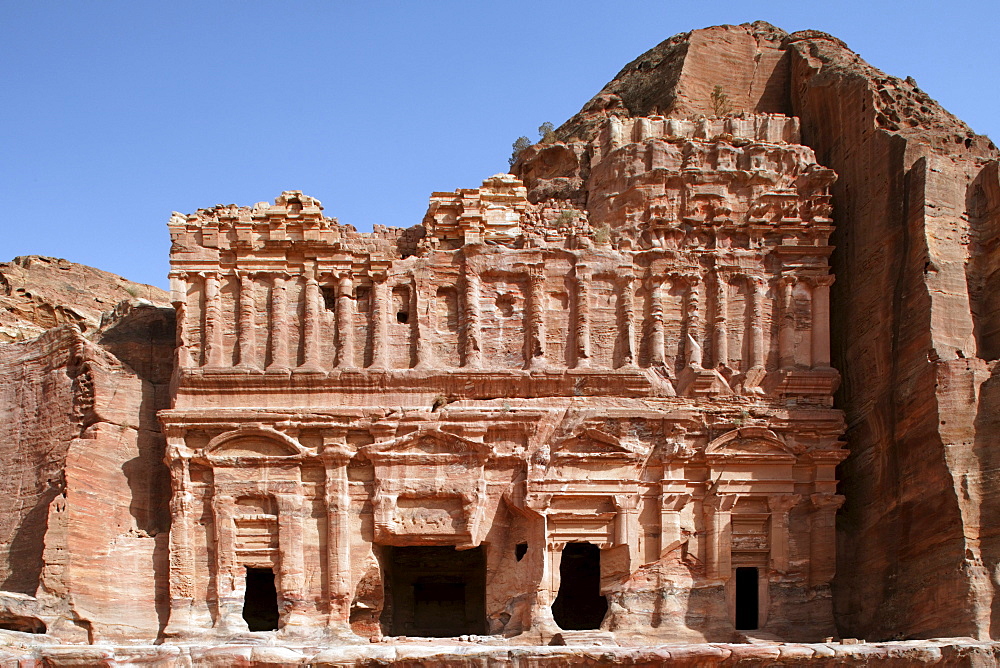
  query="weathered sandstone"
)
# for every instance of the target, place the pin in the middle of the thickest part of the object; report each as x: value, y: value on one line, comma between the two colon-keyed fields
x: 593, y: 402
x: 38, y: 293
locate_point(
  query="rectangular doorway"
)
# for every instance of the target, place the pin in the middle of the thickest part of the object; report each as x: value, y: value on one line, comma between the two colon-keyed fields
x: 747, y: 599
x: 436, y: 592
x: 260, y: 603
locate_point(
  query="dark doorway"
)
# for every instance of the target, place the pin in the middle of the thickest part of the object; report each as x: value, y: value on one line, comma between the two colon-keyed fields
x: 579, y: 604
x: 747, y: 599
x: 436, y: 592
x: 260, y: 605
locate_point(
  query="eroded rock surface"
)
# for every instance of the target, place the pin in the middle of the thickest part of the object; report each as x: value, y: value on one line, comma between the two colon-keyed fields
x: 596, y: 400
x: 38, y: 293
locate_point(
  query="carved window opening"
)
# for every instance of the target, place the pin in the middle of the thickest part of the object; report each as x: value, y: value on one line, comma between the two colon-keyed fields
x: 329, y: 293
x: 580, y: 605
x: 437, y: 592
x: 401, y: 302
x: 520, y: 550
x: 747, y: 598
x: 260, y: 604
x: 362, y: 298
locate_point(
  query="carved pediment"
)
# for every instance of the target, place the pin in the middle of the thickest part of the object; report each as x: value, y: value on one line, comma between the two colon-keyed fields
x: 431, y: 444
x: 251, y: 443
x: 748, y: 442
x: 596, y: 443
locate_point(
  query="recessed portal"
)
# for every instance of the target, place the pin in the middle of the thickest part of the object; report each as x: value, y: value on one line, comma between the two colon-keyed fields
x: 579, y: 604
x: 434, y: 591
x: 747, y: 599
x: 260, y: 605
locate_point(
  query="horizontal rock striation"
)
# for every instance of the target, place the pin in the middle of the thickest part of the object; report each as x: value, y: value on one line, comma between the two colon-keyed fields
x: 596, y: 401
x: 38, y: 293
x: 912, y: 314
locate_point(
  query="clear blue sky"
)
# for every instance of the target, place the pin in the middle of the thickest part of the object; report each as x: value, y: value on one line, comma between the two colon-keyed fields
x: 115, y: 113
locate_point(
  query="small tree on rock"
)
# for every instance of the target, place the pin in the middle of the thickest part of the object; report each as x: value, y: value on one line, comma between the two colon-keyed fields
x: 720, y: 102
x: 519, y: 145
x: 547, y: 132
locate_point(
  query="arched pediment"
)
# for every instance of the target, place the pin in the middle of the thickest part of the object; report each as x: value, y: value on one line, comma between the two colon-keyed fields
x: 757, y: 441
x: 252, y: 443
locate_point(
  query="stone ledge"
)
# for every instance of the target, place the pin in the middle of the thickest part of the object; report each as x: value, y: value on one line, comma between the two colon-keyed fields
x: 940, y: 652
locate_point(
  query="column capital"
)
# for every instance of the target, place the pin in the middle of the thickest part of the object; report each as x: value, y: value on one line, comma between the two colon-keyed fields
x: 826, y: 501
x: 782, y: 503
x: 675, y: 502
x: 626, y: 501
x: 822, y: 280
x: 720, y: 502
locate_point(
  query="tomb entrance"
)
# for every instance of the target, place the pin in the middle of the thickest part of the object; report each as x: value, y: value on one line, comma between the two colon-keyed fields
x: 434, y: 591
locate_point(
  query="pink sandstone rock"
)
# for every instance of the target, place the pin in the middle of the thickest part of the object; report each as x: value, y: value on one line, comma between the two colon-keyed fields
x: 592, y: 403
x: 38, y: 293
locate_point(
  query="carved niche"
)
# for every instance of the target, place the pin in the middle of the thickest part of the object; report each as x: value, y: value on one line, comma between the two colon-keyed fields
x: 430, y: 489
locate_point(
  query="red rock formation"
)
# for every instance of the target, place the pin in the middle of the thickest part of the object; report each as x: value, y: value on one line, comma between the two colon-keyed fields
x: 624, y: 344
x: 913, y: 312
x: 37, y: 293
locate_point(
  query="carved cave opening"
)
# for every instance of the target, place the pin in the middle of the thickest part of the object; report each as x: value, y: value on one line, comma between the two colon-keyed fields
x: 436, y: 592
x: 579, y: 604
x: 260, y: 604
x: 747, y: 598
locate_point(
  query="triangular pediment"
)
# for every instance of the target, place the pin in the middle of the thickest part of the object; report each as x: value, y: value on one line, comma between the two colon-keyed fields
x: 593, y: 442
x: 428, y: 443
x: 748, y: 441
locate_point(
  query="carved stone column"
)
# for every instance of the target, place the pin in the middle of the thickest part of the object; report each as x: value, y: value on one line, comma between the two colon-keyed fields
x: 786, y: 332
x: 230, y: 601
x: 345, y: 322
x: 292, y: 578
x: 472, y: 350
x: 780, y: 505
x: 719, y: 541
x: 181, y: 543
x: 583, y: 277
x: 758, y: 354
x: 543, y: 563
x: 671, y: 506
x: 335, y: 458
x: 247, y: 338
x: 213, y: 321
x: 627, y: 526
x: 821, y: 322
x: 694, y: 324
x: 536, y: 317
x: 720, y: 335
x: 179, y: 298
x: 657, y: 339
x: 310, y: 327
x: 380, y: 321
x: 627, y: 318
x: 421, y: 303
x: 279, y: 324
x: 823, y: 538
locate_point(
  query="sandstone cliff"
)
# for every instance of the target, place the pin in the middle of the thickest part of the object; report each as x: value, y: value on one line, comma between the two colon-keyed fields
x: 915, y: 335
x: 914, y: 317
x: 82, y: 509
x: 38, y: 293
